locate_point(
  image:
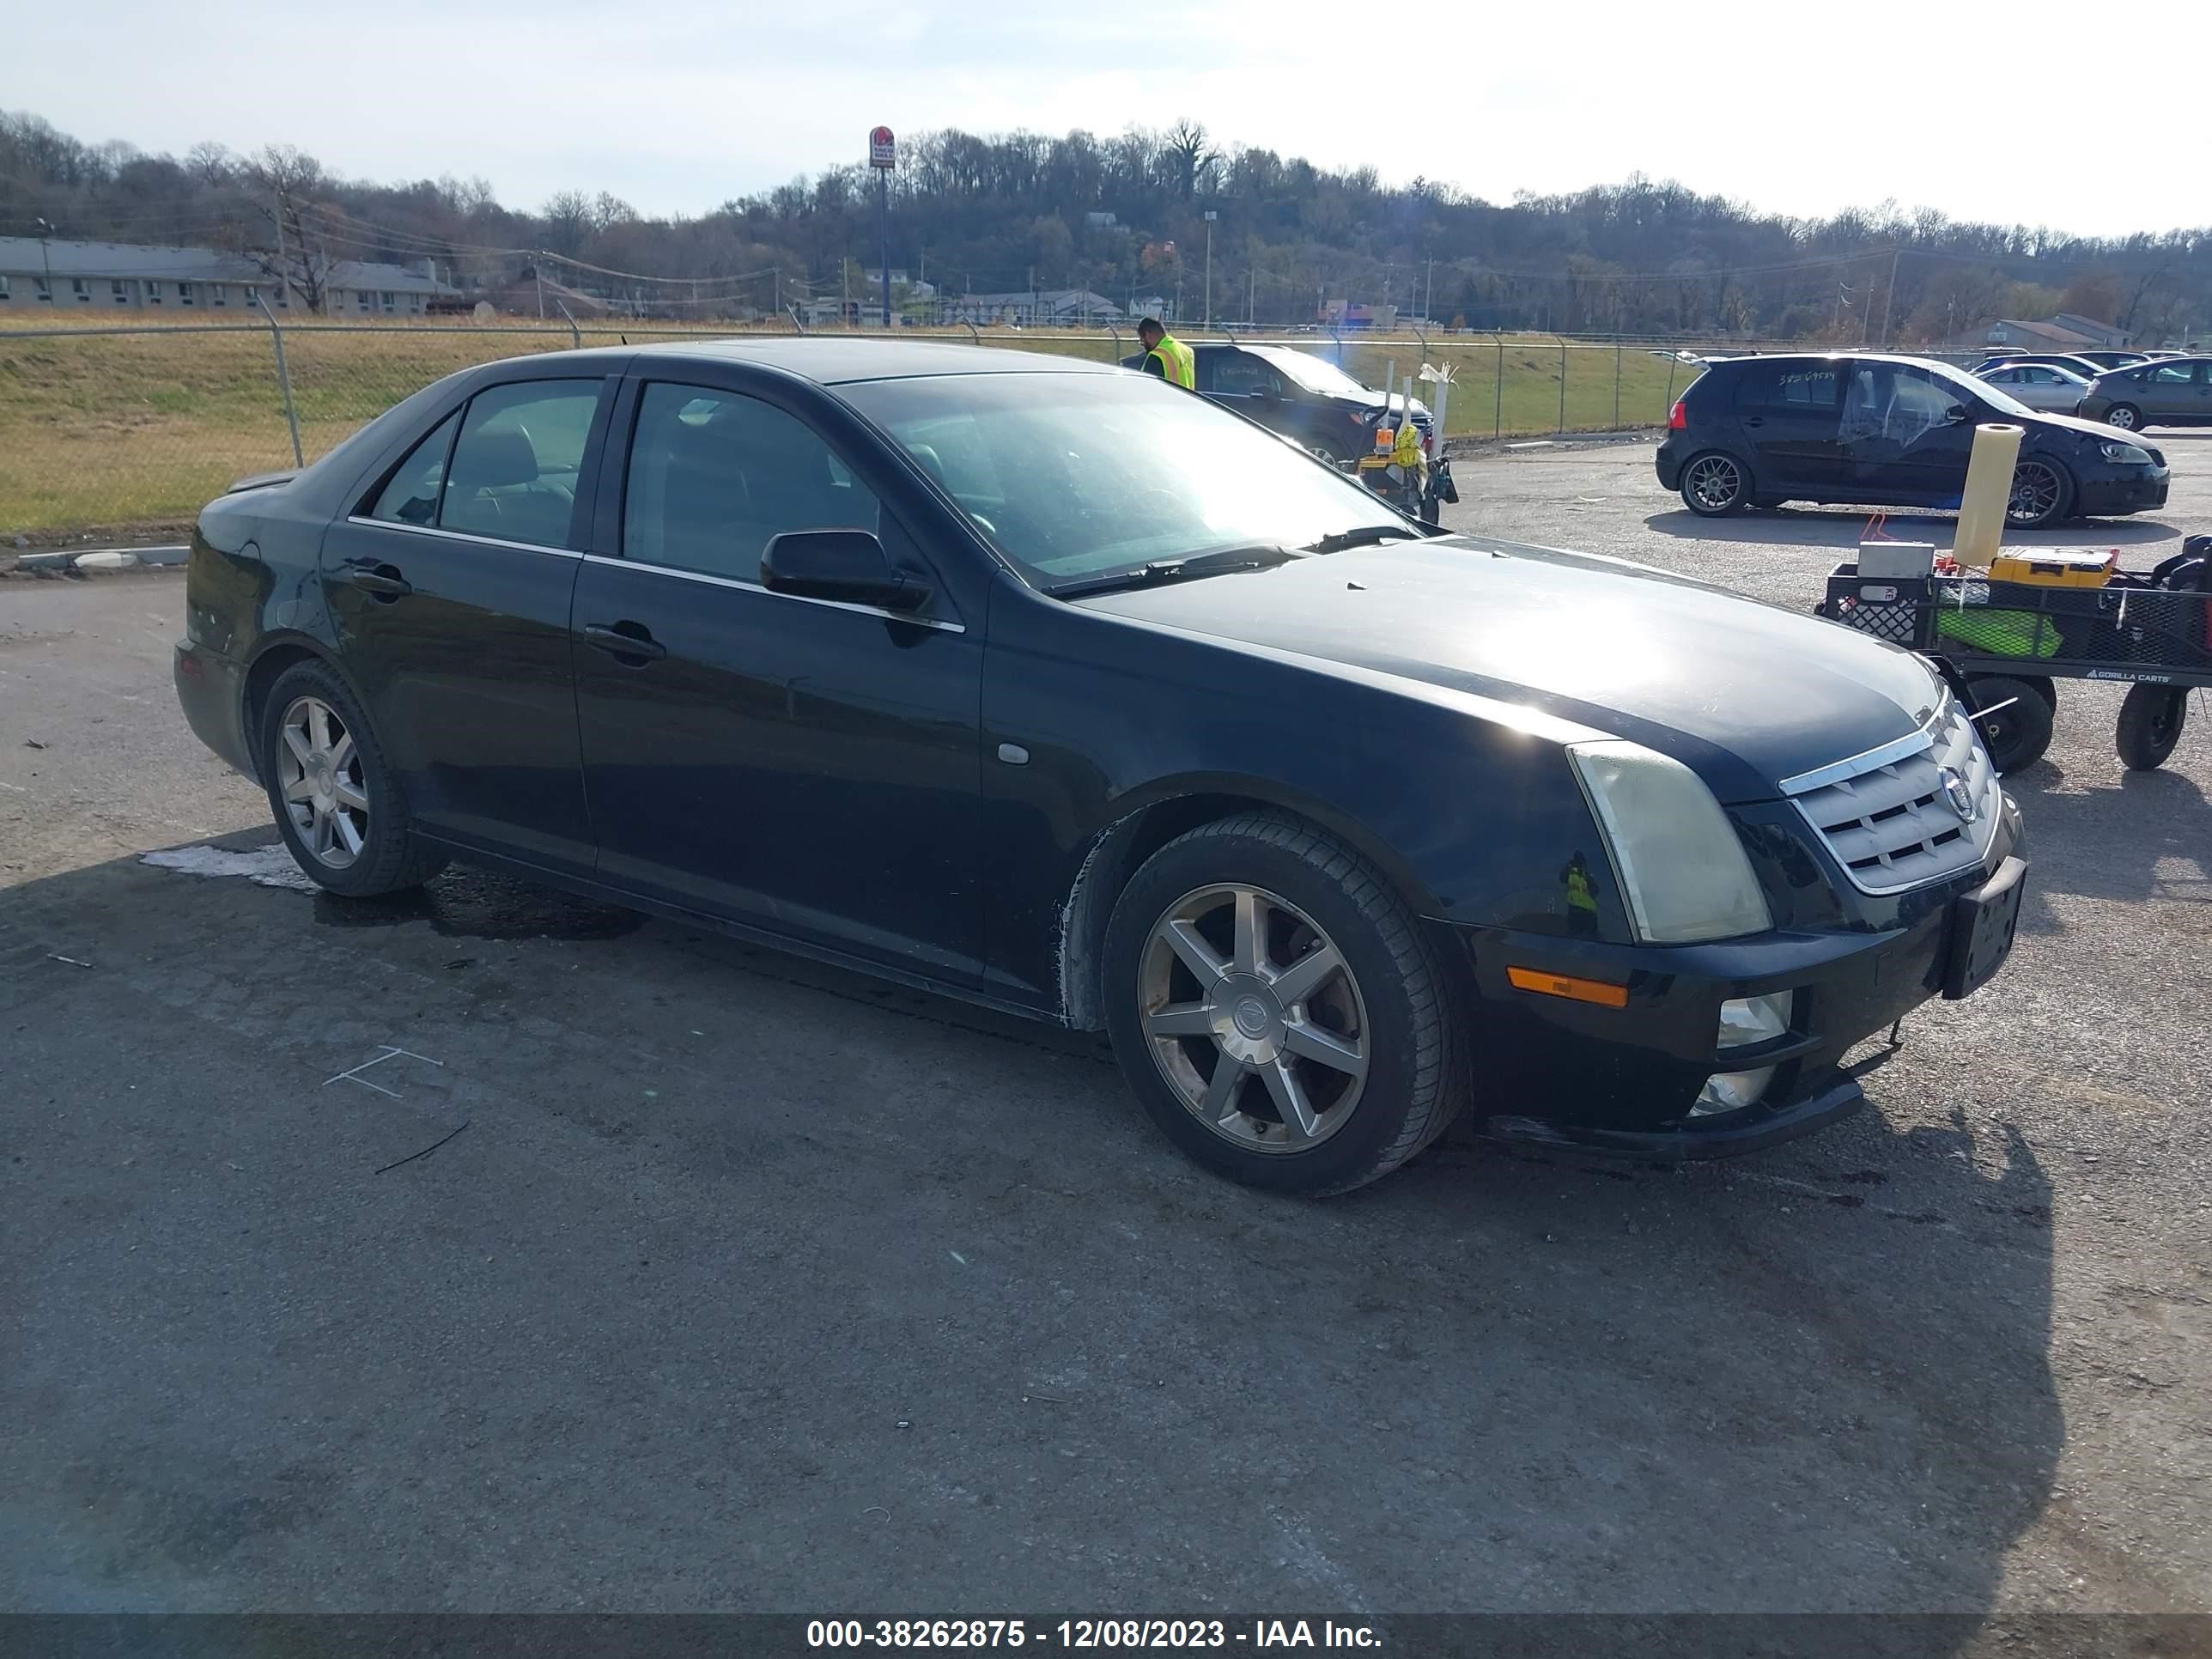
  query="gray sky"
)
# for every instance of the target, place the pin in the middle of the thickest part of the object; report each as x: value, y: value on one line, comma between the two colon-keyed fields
x: 675, y: 104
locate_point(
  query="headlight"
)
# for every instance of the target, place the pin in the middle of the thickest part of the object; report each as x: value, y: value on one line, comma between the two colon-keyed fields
x: 2127, y: 455
x: 1682, y: 870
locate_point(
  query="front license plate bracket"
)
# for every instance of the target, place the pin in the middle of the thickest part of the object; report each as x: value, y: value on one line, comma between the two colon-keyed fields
x: 1983, y: 925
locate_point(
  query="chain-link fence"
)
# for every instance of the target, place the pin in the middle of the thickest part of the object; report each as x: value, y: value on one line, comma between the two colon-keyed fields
x: 126, y: 431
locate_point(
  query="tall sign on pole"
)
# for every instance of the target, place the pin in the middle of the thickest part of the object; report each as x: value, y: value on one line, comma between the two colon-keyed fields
x: 882, y: 157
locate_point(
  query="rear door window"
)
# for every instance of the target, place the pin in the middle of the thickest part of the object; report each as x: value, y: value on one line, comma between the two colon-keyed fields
x: 517, y: 459
x: 1239, y: 375
x: 1808, y: 389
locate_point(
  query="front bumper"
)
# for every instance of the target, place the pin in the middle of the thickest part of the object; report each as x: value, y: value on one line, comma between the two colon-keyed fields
x: 2138, y: 491
x: 1623, y: 1080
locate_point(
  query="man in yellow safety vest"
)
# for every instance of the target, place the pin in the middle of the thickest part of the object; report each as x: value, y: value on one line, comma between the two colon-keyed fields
x: 1167, y: 356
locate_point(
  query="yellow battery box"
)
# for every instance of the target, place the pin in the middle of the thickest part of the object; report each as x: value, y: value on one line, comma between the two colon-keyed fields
x: 2056, y: 567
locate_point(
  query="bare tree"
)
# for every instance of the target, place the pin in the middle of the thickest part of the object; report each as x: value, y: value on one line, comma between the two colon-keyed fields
x: 296, y: 255
x: 1188, y: 154
x: 567, y: 218
x: 210, y: 162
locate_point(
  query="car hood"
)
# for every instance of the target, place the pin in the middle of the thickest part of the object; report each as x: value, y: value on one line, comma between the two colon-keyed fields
x: 2087, y: 429
x: 1745, y: 694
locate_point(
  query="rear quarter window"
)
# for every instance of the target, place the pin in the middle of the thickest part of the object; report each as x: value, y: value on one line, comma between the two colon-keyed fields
x: 1790, y: 386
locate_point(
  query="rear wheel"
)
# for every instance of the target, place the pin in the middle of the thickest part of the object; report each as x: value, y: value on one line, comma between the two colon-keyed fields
x: 2151, y: 719
x: 1715, y: 485
x: 2126, y: 416
x: 1274, y: 1006
x: 2040, y: 493
x: 2014, y: 719
x: 338, y: 805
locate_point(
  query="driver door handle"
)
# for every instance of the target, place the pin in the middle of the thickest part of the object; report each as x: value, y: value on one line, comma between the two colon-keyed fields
x: 626, y: 639
x: 1754, y: 419
x: 382, y: 581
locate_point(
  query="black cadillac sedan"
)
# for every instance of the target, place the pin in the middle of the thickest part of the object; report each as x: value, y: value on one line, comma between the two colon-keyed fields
x: 1042, y: 684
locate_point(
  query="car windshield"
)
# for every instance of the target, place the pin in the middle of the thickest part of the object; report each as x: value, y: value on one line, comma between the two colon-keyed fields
x: 1074, y: 477
x: 1313, y: 373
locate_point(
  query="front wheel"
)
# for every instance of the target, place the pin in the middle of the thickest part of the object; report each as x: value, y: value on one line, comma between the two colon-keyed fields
x: 338, y: 805
x: 2151, y: 719
x: 1274, y: 1006
x: 1715, y: 485
x: 2040, y: 490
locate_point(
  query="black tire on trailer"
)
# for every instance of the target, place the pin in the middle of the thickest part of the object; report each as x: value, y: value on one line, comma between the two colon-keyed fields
x: 2151, y: 719
x: 2019, y: 729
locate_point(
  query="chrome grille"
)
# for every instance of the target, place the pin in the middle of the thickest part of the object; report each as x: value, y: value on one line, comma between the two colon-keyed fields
x: 1888, y: 816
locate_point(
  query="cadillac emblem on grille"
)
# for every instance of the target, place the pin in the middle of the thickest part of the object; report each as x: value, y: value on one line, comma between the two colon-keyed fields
x: 1960, y: 794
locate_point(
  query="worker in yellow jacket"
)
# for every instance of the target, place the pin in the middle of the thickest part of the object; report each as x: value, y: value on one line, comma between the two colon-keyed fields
x: 1167, y: 356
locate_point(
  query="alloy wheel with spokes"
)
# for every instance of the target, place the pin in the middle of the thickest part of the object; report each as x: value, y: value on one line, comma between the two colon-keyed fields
x: 1713, y: 484
x: 322, y: 783
x: 2123, y: 417
x: 1253, y: 1018
x: 2038, y: 491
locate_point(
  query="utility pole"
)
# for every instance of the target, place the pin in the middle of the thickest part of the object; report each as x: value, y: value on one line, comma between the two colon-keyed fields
x: 1211, y: 216
x: 537, y: 272
x: 283, y: 297
x: 1252, y: 301
x: 46, y: 258
x: 1888, y: 293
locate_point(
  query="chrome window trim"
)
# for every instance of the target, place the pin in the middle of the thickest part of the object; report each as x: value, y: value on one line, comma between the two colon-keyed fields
x: 1883, y: 755
x: 461, y: 536
x: 887, y: 615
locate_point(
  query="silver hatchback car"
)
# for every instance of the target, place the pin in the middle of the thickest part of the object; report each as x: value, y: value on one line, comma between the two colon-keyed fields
x: 2039, y: 386
x: 2166, y: 392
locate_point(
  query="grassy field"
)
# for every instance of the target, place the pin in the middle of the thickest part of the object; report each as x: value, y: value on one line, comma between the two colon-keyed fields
x: 128, y: 433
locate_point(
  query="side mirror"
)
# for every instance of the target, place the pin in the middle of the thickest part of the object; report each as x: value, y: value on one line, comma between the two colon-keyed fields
x: 846, y: 565
x: 1960, y: 415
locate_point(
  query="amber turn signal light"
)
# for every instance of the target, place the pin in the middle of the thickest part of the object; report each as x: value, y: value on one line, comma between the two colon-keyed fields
x: 1574, y: 990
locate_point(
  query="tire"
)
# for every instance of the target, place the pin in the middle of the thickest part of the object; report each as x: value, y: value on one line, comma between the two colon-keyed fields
x: 351, y: 829
x: 1432, y: 510
x: 2016, y: 735
x: 1715, y: 485
x: 2151, y: 719
x: 1326, y: 456
x: 2126, y: 416
x: 1385, y: 1004
x: 2041, y: 494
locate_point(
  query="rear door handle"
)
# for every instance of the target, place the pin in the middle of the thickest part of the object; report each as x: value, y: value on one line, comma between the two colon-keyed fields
x: 625, y: 639
x: 1753, y: 420
x: 380, y: 580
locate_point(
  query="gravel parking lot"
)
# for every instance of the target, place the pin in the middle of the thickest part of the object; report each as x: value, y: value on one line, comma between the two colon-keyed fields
x: 742, y: 1283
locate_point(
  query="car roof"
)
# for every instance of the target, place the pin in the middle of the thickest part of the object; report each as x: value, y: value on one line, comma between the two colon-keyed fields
x: 1824, y: 357
x: 832, y: 361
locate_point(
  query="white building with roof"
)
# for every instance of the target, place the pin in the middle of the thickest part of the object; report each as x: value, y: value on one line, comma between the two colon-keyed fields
x: 40, y: 274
